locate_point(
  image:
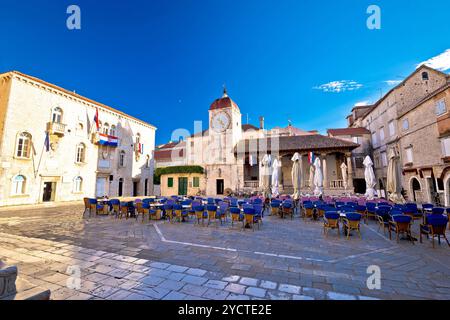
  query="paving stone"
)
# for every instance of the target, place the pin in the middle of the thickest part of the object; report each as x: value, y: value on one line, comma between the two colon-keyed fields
x: 268, y: 284
x: 194, y: 290
x: 104, y: 291
x: 138, y: 296
x: 175, y: 276
x: 248, y: 281
x: 194, y: 280
x: 256, y: 292
x: 301, y: 297
x: 120, y: 295
x: 231, y: 278
x: 215, y: 294
x: 174, y: 295
x: 277, y: 295
x: 136, y: 276
x: 176, y: 268
x: 152, y: 280
x: 289, y: 288
x: 216, y: 284
x: 159, y: 265
x: 196, y: 272
x: 340, y: 296
x: 172, y: 284
x: 235, y: 288
x: 234, y: 296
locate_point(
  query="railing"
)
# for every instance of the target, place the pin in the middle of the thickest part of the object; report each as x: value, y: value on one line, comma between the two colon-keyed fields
x: 251, y: 184
x: 56, y: 128
x: 337, y: 184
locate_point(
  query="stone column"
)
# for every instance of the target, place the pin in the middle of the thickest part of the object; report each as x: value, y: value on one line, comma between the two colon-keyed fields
x: 324, y: 171
x: 350, y: 171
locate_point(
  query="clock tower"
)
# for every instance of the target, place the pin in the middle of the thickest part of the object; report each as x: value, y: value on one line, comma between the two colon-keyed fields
x: 224, y: 132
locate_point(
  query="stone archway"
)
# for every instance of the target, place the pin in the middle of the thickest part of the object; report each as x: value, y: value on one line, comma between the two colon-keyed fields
x: 416, y: 189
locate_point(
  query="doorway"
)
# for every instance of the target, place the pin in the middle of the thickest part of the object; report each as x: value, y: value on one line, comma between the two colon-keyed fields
x: 48, y: 193
x: 120, y: 192
x: 219, y: 186
x: 182, y: 186
x: 146, y: 187
x: 415, y: 186
x: 100, y: 187
x: 135, y: 188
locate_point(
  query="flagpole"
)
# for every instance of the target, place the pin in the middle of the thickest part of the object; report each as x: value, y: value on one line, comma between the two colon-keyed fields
x: 40, y: 158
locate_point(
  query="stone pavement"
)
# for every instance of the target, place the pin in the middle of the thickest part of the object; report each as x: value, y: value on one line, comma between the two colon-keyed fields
x: 104, y: 258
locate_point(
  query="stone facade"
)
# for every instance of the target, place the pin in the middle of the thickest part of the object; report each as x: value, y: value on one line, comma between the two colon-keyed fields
x: 407, y: 120
x: 75, y: 165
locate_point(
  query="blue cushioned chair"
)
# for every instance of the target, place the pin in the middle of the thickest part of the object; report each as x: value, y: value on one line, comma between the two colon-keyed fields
x: 435, y: 225
x: 401, y: 223
x: 352, y: 222
x: 331, y: 221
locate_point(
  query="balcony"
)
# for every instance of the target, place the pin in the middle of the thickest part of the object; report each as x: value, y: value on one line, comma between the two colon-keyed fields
x: 251, y: 184
x: 337, y: 184
x: 55, y: 128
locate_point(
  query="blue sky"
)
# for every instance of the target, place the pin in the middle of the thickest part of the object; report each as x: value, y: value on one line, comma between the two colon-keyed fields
x: 166, y: 61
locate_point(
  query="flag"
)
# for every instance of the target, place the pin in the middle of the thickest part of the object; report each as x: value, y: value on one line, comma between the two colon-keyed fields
x: 106, y: 140
x: 311, y: 157
x: 47, y: 142
x: 96, y: 119
x: 141, y: 149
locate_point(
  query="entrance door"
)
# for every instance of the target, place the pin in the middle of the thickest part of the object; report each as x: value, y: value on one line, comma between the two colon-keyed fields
x: 182, y: 186
x: 146, y: 187
x: 120, y: 193
x: 219, y: 186
x: 100, y: 187
x: 135, y: 188
x: 49, y: 191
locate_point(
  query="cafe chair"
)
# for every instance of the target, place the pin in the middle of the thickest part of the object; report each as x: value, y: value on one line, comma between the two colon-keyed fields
x: 331, y: 221
x: 434, y: 226
x: 287, y: 209
x: 249, y: 218
x: 352, y: 222
x: 199, y: 213
x: 168, y: 212
x: 401, y: 224
x: 235, y: 215
x: 211, y: 213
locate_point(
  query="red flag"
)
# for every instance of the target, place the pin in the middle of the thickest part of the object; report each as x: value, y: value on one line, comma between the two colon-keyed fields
x: 96, y: 119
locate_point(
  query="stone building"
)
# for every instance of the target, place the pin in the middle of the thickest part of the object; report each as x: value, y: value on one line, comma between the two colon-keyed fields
x: 51, y: 150
x: 231, y: 152
x: 412, y: 118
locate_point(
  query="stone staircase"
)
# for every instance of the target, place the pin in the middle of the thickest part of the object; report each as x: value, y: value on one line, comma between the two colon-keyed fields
x: 14, y: 288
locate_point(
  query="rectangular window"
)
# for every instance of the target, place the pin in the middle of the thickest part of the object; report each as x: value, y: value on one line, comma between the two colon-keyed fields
x: 409, y: 155
x: 170, y: 182
x: 440, y: 184
x: 359, y: 162
x: 405, y: 124
x: 196, y: 182
x: 374, y: 138
x: 355, y: 139
x: 391, y: 128
x: 384, y: 162
x: 446, y: 147
x: 381, y: 134
x: 441, y: 107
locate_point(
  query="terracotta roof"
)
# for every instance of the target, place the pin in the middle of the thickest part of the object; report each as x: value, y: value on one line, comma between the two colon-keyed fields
x: 171, y: 145
x: 314, y: 142
x: 246, y: 127
x: 224, y: 102
x: 76, y: 95
x: 167, y: 154
x: 347, y: 131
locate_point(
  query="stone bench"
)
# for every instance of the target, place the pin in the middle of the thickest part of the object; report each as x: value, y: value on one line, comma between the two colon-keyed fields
x: 14, y: 288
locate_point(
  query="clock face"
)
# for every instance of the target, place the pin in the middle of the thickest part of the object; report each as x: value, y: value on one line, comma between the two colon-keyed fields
x: 220, y: 122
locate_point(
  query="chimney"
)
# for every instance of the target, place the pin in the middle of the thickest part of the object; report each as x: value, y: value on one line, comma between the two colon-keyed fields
x: 261, y: 123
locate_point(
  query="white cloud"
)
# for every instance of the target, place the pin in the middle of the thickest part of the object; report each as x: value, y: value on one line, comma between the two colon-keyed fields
x: 393, y: 82
x: 440, y: 62
x: 339, y: 86
x: 362, y: 103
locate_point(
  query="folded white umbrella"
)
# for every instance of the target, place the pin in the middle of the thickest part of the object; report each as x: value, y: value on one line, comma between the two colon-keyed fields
x: 369, y: 176
x: 265, y: 171
x: 296, y: 174
x: 344, y: 175
x: 311, y: 177
x: 394, y: 186
x: 318, y: 178
x: 276, y: 165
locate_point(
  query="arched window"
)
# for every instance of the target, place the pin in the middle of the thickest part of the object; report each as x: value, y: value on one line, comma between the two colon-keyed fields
x: 106, y: 128
x: 147, y: 161
x: 57, y: 114
x: 18, y: 185
x: 78, y: 184
x: 23, y: 147
x: 122, y: 159
x: 425, y: 76
x: 112, y: 131
x: 81, y: 153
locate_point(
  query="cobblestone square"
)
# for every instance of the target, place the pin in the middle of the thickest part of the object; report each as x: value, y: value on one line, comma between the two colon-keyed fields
x: 285, y: 259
